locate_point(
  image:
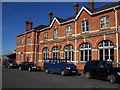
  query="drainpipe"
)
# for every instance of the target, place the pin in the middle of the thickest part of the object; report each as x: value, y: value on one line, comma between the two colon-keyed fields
x: 75, y: 41
x: 116, y: 31
x: 36, y: 49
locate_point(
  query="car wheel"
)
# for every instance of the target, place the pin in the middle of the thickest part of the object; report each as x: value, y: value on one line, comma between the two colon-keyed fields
x: 8, y: 67
x: 29, y: 69
x: 112, y: 78
x: 88, y: 75
x: 62, y: 73
x: 3, y: 66
x: 20, y: 68
x: 46, y: 71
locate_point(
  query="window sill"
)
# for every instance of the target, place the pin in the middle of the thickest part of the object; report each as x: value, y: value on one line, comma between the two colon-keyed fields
x: 85, y: 32
x: 69, y: 36
x: 45, y: 40
x: 28, y: 44
x: 82, y: 62
x: 104, y: 28
x: 55, y: 38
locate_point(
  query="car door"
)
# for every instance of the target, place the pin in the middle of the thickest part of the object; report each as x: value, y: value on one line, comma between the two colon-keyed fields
x: 51, y: 66
x: 24, y: 65
x: 103, y: 70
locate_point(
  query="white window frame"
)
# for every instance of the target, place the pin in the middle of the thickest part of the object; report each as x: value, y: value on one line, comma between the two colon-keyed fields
x: 46, y: 36
x: 56, y: 51
x: 46, y: 53
x: 67, y: 49
x: 85, y: 48
x: 69, y: 31
x: 56, y: 33
x: 29, y: 41
x: 23, y: 40
x: 21, y: 57
x: 104, y: 21
x: 103, y: 47
x: 85, y: 26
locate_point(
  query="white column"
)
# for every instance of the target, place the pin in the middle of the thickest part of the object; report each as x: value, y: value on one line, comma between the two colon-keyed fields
x: 116, y: 32
x: 75, y: 41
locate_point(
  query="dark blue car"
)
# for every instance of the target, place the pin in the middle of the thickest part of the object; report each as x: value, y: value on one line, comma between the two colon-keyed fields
x: 55, y: 65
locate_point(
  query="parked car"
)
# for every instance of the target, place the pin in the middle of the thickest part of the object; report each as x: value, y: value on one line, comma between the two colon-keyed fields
x: 102, y: 69
x: 8, y: 63
x: 30, y: 66
x: 57, y: 65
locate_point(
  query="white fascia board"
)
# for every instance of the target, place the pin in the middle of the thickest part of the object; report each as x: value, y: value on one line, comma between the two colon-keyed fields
x: 83, y: 8
x: 54, y: 21
x: 50, y: 25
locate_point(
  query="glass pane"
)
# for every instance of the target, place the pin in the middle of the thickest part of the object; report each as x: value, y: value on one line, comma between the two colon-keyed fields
x: 89, y: 54
x: 106, y: 54
x: 112, y: 54
x: 101, y: 54
x: 81, y: 55
x: 86, y: 55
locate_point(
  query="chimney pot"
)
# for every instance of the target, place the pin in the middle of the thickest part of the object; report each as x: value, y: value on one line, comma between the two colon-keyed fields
x: 27, y: 25
x: 31, y: 24
x: 50, y: 17
x: 76, y: 5
x: 91, y: 4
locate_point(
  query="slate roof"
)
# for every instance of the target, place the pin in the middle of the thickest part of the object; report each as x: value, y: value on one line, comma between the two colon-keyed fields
x: 41, y: 27
x: 107, y: 6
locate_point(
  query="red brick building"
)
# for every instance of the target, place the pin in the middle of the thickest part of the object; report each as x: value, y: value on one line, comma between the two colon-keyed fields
x: 91, y: 34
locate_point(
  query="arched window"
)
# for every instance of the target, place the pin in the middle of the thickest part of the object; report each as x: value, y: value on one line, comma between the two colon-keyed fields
x: 55, y: 52
x: 106, y: 50
x: 21, y: 57
x: 68, y: 53
x: 45, y: 53
x: 85, y: 52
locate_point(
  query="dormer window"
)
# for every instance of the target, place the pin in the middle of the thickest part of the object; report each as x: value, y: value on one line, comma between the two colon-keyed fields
x: 84, y: 26
x: 68, y: 30
x: 56, y: 33
x: 104, y: 23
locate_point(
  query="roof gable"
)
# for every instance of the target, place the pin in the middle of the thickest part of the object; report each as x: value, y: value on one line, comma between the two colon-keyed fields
x: 83, y: 8
x: 55, y: 19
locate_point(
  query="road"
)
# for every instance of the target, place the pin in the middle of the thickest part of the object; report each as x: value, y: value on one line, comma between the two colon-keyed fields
x: 14, y: 78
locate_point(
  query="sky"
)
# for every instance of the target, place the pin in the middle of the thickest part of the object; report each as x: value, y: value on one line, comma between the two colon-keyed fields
x: 14, y: 15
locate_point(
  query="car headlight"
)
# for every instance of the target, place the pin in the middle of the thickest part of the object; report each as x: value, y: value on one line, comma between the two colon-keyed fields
x: 118, y: 73
x: 68, y: 68
x: 34, y: 67
x: 11, y: 64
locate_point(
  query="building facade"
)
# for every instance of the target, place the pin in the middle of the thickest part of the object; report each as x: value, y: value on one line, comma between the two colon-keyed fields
x: 91, y: 34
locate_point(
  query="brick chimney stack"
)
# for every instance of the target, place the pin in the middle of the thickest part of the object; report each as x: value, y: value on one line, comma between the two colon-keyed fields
x: 76, y: 5
x: 31, y: 24
x: 27, y: 25
x: 91, y: 4
x: 50, y: 14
